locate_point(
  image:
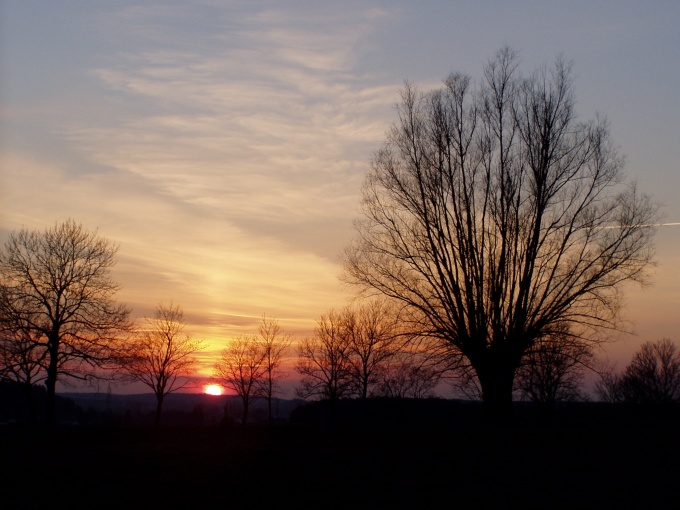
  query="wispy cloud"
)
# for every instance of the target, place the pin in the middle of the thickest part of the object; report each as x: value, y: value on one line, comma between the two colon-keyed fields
x: 222, y: 144
x: 271, y: 136
x: 231, y: 161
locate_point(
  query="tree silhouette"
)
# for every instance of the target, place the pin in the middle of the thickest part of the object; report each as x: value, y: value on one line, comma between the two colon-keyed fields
x: 163, y: 356
x: 409, y: 375
x: 323, y: 361
x: 652, y: 377
x: 241, y: 367
x: 56, y: 287
x: 22, y: 360
x: 350, y: 352
x: 273, y: 343
x: 553, y: 369
x: 373, y: 333
x: 493, y: 214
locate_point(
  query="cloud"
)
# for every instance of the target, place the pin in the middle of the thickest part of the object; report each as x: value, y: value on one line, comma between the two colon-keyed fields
x: 224, y: 153
x: 172, y: 250
x: 223, y: 144
x: 269, y: 137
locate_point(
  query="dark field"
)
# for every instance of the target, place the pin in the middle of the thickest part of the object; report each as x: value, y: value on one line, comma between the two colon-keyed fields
x: 616, y: 461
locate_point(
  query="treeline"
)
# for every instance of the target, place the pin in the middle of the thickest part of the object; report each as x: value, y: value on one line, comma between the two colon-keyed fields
x: 359, y: 352
x: 59, y: 320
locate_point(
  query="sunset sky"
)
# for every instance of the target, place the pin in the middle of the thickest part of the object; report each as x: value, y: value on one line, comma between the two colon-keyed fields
x: 222, y: 144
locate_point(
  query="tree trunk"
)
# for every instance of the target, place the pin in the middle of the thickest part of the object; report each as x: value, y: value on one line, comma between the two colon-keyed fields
x: 159, y: 410
x: 496, y: 376
x: 51, y: 380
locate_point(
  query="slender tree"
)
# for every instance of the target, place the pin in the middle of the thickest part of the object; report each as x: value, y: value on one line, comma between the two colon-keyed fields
x: 553, y: 369
x: 372, y: 334
x: 241, y: 367
x: 56, y: 285
x: 273, y: 343
x: 163, y: 356
x: 608, y: 387
x: 323, y: 361
x: 493, y: 214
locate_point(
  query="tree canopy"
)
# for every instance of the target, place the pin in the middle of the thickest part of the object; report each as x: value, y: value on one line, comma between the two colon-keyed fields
x: 496, y: 217
x: 163, y: 355
x: 56, y: 292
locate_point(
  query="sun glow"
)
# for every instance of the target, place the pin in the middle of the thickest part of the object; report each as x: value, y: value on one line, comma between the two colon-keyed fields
x: 213, y: 389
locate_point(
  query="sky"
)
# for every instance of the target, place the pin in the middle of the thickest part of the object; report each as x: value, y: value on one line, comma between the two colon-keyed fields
x: 222, y: 144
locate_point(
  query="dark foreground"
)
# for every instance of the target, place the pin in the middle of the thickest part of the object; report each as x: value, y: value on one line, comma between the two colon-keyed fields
x: 614, y: 462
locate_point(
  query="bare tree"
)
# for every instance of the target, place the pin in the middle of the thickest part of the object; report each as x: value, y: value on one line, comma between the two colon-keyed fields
x: 653, y: 376
x: 493, y: 214
x: 273, y: 343
x: 57, y: 285
x: 608, y: 388
x: 241, y: 368
x: 372, y: 334
x: 323, y: 361
x: 553, y: 369
x: 22, y: 360
x: 409, y: 375
x: 163, y: 356
x: 22, y: 356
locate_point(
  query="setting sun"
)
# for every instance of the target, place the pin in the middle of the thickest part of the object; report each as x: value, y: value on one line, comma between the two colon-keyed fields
x: 213, y: 389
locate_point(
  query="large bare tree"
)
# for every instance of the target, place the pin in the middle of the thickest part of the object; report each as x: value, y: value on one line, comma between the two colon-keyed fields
x: 56, y: 285
x: 493, y: 213
x: 163, y: 355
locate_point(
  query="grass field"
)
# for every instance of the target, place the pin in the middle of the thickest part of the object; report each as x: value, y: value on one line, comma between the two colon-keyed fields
x: 613, y: 462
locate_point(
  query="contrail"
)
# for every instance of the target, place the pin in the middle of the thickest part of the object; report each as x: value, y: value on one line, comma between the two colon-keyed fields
x: 674, y: 224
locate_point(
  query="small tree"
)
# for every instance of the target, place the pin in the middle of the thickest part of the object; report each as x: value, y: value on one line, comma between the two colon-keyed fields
x: 653, y: 376
x: 372, y: 333
x: 273, y: 343
x: 163, y: 356
x: 22, y: 359
x: 554, y: 368
x: 409, y: 375
x: 56, y: 286
x: 323, y: 361
x: 241, y: 368
x: 608, y: 388
x: 21, y: 356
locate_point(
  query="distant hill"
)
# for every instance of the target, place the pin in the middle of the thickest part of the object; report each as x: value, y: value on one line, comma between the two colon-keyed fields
x: 178, y: 408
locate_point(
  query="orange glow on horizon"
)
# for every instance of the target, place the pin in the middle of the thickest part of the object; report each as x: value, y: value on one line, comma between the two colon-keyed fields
x: 213, y: 389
